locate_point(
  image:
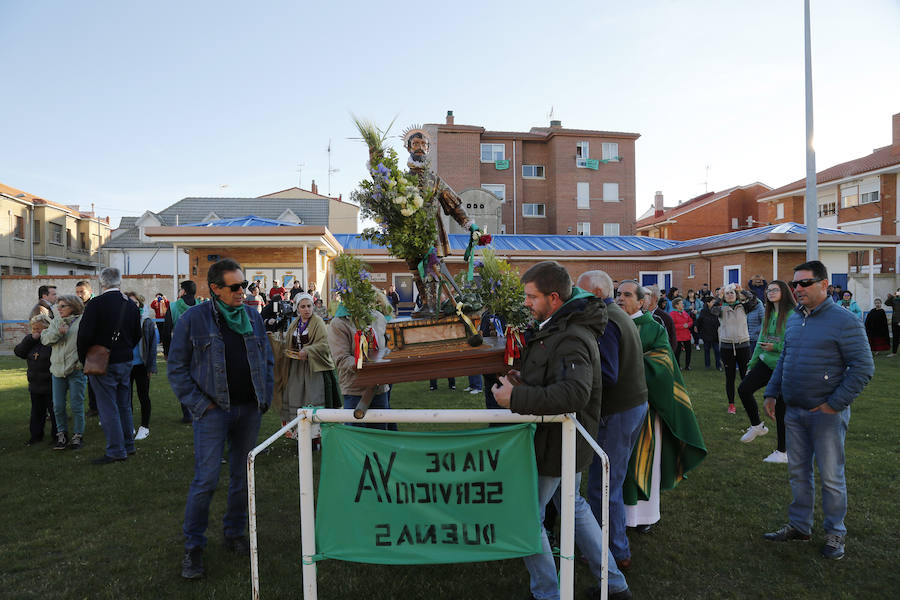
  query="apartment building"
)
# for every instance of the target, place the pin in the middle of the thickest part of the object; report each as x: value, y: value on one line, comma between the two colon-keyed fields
x: 860, y: 196
x: 40, y: 237
x: 708, y: 214
x: 549, y: 180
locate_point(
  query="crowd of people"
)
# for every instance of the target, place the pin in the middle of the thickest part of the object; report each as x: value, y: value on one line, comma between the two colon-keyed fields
x: 234, y: 356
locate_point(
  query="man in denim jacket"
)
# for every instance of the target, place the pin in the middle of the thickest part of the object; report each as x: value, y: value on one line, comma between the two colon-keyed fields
x: 221, y: 368
x: 824, y: 366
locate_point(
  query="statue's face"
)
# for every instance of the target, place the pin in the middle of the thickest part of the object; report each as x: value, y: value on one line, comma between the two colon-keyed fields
x: 418, y: 147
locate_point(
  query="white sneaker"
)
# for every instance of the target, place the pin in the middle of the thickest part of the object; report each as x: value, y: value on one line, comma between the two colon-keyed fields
x: 474, y: 392
x: 776, y: 457
x: 468, y: 389
x: 142, y: 433
x: 753, y: 432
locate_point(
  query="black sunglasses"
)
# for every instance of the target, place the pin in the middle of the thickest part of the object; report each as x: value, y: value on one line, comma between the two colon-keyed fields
x: 236, y: 286
x: 804, y: 282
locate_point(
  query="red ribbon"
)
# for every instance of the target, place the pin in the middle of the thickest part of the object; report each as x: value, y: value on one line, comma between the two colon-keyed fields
x: 514, y: 344
x: 357, y: 349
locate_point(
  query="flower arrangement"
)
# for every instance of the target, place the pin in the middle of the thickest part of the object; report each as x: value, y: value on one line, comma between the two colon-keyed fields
x: 401, y: 202
x: 356, y: 291
x: 501, y: 291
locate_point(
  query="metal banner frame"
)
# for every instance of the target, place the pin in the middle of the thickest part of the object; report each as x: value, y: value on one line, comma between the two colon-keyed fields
x: 307, y: 416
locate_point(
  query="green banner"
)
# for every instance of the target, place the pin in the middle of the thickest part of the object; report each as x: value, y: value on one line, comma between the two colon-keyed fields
x: 501, y: 165
x: 392, y: 497
x: 592, y: 163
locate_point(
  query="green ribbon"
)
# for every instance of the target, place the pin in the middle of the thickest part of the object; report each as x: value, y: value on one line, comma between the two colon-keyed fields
x: 469, y: 256
x: 424, y: 262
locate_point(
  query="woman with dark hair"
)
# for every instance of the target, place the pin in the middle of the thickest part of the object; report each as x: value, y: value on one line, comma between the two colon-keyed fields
x: 850, y: 304
x: 779, y: 304
x: 707, y: 326
x: 143, y: 365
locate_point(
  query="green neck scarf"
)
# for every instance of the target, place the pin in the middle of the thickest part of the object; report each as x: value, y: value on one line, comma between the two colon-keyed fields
x: 235, y: 317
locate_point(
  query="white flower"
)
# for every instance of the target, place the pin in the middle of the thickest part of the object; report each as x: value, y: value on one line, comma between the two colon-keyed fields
x: 418, y: 201
x: 406, y: 212
x: 399, y: 200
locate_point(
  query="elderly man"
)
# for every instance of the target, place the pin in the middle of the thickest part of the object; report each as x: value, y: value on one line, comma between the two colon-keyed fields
x: 824, y: 366
x: 622, y: 412
x: 221, y: 368
x: 670, y: 443
x: 570, y: 320
x: 660, y: 315
x: 113, y: 322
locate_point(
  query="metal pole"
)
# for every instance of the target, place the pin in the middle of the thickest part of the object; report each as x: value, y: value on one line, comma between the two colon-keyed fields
x: 175, y: 272
x: 812, y: 219
x: 567, y: 511
x: 774, y: 264
x: 604, y: 512
x: 871, y: 277
x: 307, y: 508
x: 305, y: 278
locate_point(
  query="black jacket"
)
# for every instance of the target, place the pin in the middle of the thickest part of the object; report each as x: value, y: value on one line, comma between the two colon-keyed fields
x: 99, y: 321
x: 708, y: 326
x: 38, y: 357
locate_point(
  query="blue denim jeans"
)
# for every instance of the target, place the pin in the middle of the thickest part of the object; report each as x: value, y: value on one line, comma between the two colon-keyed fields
x: 73, y: 383
x: 819, y: 436
x: 616, y: 435
x: 714, y: 348
x: 475, y: 382
x: 239, y: 425
x: 542, y: 567
x: 113, y: 391
x: 379, y: 401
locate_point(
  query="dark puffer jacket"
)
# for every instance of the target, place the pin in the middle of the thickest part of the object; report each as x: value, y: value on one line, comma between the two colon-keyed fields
x: 38, y: 357
x: 561, y: 374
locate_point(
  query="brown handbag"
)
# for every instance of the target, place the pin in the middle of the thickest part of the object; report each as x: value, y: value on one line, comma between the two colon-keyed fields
x: 97, y: 359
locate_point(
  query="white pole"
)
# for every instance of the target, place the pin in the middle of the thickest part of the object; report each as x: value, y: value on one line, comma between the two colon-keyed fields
x: 604, y: 512
x: 515, y: 215
x: 307, y: 508
x: 774, y: 264
x: 567, y: 511
x: 175, y: 272
x: 872, y: 277
x: 305, y: 281
x: 812, y: 218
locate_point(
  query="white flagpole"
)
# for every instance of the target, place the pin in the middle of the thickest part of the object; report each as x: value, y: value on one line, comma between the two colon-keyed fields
x: 812, y: 205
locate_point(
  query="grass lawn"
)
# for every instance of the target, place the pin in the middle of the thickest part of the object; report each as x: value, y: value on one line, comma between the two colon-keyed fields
x: 74, y: 530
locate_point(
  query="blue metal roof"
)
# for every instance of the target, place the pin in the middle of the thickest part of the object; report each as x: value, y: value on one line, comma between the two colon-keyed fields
x: 794, y: 228
x: 248, y: 221
x: 541, y: 243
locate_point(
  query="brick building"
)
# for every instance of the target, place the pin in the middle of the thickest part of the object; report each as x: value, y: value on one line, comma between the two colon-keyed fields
x: 709, y: 214
x: 551, y: 180
x: 861, y: 195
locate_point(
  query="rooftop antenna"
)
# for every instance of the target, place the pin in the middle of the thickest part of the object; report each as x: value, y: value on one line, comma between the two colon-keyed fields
x: 706, y: 182
x: 550, y: 114
x: 300, y: 174
x: 330, y: 170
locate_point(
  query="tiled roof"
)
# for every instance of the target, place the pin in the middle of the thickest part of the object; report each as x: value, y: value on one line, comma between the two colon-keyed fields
x: 702, y: 199
x: 313, y: 211
x: 879, y: 159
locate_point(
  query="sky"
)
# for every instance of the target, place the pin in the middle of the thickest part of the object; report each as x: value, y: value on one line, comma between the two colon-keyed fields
x: 134, y: 105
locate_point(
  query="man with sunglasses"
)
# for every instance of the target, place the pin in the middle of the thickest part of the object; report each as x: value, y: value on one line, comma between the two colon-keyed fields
x: 222, y: 369
x: 825, y: 364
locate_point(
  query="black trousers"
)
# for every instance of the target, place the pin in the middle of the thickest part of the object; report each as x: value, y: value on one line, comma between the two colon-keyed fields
x: 140, y: 378
x: 757, y: 378
x: 714, y: 348
x: 895, y: 330
x: 732, y: 358
x: 41, y: 404
x: 165, y: 336
x: 687, y: 353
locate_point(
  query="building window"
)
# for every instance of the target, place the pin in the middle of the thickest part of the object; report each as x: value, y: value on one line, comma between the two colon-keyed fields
x: 84, y: 241
x: 497, y: 189
x: 502, y: 228
x: 19, y: 231
x: 582, y: 153
x: 868, y: 197
x: 610, y: 192
x: 850, y: 196
x: 493, y: 152
x: 691, y: 270
x: 779, y: 210
x: 56, y: 234
x: 610, y: 229
x: 610, y: 151
x: 533, y: 210
x: 37, y: 231
x: 828, y: 209
x: 584, y: 228
x: 533, y: 171
x: 584, y: 194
